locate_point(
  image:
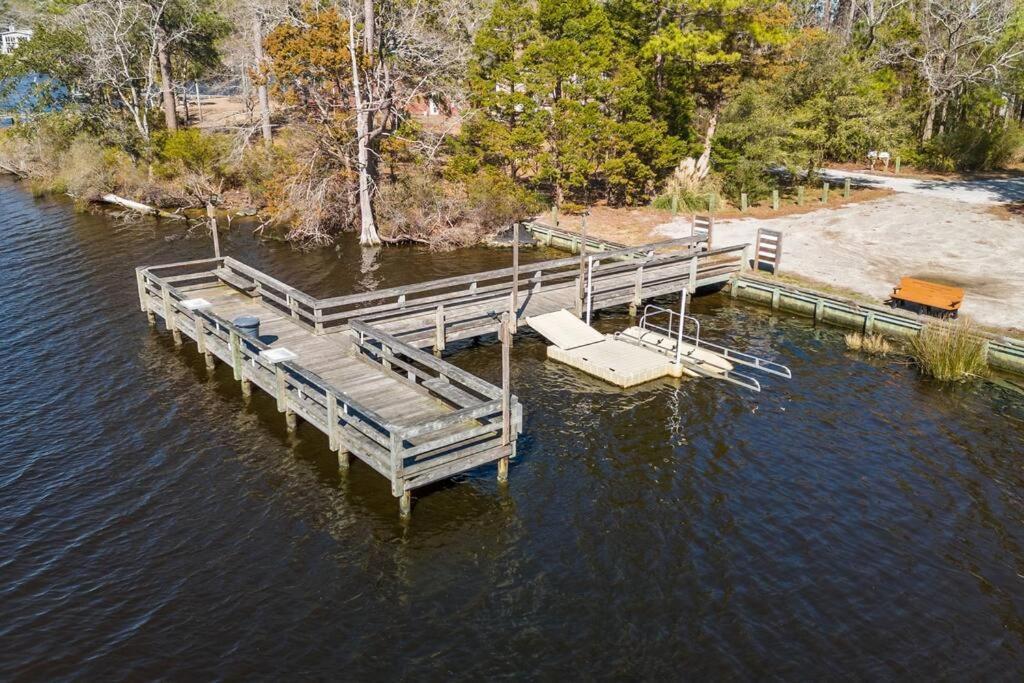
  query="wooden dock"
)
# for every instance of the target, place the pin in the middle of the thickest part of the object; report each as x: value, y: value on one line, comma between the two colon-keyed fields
x: 354, y: 367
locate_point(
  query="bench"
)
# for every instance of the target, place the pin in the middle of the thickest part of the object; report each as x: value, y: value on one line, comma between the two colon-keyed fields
x: 236, y: 281
x: 934, y: 298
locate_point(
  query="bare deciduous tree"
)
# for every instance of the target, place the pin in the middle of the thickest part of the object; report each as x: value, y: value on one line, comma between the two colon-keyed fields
x: 961, y: 45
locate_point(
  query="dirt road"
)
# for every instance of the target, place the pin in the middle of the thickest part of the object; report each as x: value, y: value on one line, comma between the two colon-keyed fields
x: 980, y: 191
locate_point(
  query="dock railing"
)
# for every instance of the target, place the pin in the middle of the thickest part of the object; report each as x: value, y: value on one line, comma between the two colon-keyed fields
x: 653, y: 275
x: 432, y: 449
x: 381, y: 305
x: 408, y: 455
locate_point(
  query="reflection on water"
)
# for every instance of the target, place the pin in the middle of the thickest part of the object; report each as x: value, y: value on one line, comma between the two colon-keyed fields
x: 856, y: 519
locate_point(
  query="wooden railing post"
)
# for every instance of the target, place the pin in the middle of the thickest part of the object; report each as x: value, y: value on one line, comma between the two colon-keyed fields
x: 512, y: 315
x: 170, y: 316
x: 282, y: 388
x: 439, y: 333
x: 236, y: 354
x: 201, y: 340
x: 638, y: 291
x: 140, y: 281
x: 332, y: 421
x: 168, y: 319
x: 398, y: 475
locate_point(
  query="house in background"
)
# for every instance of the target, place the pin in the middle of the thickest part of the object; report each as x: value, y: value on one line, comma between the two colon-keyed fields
x: 12, y: 38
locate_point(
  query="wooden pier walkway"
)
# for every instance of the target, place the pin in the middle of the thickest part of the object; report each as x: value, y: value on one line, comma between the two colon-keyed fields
x: 354, y: 367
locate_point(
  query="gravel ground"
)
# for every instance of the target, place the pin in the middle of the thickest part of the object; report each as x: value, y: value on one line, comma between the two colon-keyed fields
x: 937, y: 230
x: 981, y: 191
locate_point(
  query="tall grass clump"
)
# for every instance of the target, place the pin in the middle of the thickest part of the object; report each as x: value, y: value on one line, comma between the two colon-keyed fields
x: 872, y: 344
x: 950, y: 353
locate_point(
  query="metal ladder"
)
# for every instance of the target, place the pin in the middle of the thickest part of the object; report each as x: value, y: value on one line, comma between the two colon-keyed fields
x: 675, y: 330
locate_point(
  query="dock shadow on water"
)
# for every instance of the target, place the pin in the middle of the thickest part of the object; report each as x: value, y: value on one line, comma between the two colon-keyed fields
x: 854, y: 520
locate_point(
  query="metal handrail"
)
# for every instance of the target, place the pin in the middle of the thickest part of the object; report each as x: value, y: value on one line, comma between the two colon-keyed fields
x: 729, y: 354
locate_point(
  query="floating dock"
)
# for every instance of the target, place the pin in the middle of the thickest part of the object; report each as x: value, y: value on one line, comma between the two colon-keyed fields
x: 355, y: 368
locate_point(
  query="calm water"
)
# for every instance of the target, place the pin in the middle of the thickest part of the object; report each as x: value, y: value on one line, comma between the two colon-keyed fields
x: 856, y: 520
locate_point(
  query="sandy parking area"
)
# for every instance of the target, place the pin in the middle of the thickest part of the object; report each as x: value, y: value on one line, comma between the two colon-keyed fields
x: 867, y: 247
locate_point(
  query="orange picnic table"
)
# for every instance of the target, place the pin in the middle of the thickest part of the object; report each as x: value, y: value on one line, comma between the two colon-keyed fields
x: 944, y: 299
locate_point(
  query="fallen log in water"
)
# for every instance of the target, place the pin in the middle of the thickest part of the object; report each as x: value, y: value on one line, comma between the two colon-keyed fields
x: 139, y: 206
x: 13, y: 171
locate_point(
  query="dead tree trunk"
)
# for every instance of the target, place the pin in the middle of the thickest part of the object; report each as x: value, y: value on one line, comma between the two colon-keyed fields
x: 364, y: 121
x: 166, y: 84
x: 261, y: 89
x: 704, y: 162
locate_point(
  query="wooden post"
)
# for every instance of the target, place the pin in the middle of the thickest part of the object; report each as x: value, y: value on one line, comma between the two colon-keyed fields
x: 201, y: 340
x: 332, y: 421
x: 819, y: 310
x: 846, y: 188
x: 506, y: 396
x: 691, y: 285
x: 405, y: 505
x: 581, y: 281
x: 168, y: 318
x: 236, y: 354
x: 638, y: 289
x: 675, y: 204
x: 140, y: 282
x: 800, y: 195
x: 554, y: 218
x: 824, y: 193
x: 896, y: 169
x: 282, y: 388
x: 515, y: 277
x: 291, y: 422
x: 439, y: 330
x: 748, y: 255
x: 200, y: 333
x: 246, y: 387
x: 211, y: 214
x: 743, y: 202
x: 511, y: 318
x: 199, y: 103
x: 775, y: 200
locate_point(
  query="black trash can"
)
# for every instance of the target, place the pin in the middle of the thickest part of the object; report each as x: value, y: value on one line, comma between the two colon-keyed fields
x: 248, y: 325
